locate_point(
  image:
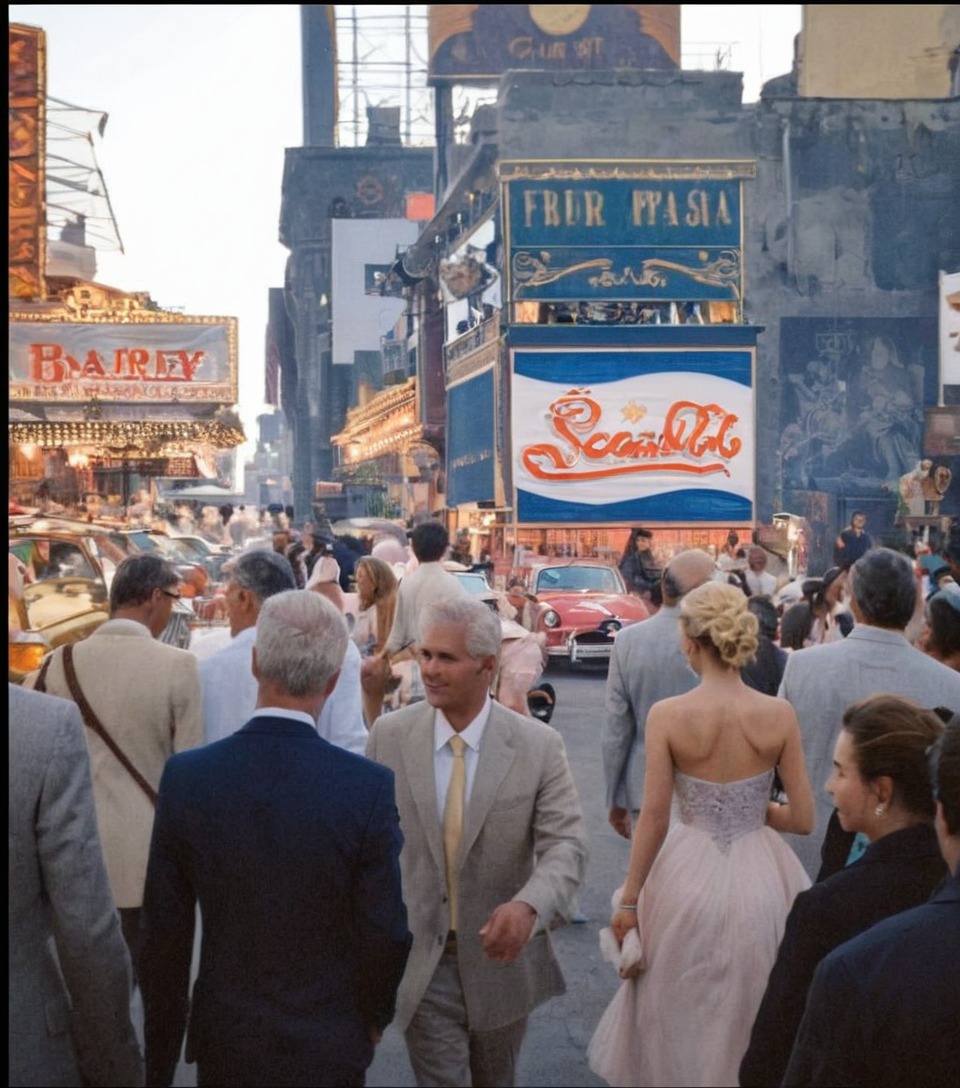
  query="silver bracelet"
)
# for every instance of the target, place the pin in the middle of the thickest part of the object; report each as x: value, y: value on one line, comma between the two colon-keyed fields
x: 627, y: 906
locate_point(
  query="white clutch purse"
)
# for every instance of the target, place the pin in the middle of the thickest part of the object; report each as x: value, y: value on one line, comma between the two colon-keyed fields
x: 628, y: 957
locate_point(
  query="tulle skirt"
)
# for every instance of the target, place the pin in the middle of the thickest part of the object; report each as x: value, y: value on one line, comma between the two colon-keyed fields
x: 710, y: 923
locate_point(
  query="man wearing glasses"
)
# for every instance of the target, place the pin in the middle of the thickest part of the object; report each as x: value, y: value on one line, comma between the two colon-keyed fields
x: 140, y: 701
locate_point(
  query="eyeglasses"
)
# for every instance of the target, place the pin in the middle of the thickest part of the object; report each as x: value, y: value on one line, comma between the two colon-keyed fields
x: 170, y: 593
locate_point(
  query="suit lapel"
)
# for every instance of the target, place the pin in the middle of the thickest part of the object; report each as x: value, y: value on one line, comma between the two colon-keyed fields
x: 497, y: 754
x: 418, y: 761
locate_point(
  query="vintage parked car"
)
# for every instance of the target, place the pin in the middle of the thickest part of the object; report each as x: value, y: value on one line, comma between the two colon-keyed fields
x: 62, y: 593
x: 473, y: 581
x: 581, y: 605
x: 56, y: 592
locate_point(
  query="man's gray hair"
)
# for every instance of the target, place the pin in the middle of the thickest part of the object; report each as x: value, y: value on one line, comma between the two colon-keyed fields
x: 884, y: 587
x: 301, y: 641
x: 480, y: 623
x: 263, y: 572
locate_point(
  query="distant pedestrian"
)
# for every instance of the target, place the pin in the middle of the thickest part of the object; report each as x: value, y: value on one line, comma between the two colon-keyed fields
x: 759, y: 581
x: 638, y: 565
x: 853, y: 541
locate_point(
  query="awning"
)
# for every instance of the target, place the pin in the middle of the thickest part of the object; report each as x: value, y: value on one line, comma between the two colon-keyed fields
x: 213, y: 492
x: 160, y: 436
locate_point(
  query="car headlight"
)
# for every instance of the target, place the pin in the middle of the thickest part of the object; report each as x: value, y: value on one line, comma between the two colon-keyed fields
x: 551, y: 618
x: 26, y: 650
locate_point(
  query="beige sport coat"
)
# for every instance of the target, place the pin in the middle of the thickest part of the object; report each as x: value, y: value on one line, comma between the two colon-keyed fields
x: 147, y: 695
x: 523, y: 839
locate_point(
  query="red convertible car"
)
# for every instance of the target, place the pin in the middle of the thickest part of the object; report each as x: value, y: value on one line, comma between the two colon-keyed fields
x: 581, y: 605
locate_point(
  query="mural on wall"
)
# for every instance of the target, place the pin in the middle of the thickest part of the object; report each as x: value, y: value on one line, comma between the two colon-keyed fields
x: 852, y: 407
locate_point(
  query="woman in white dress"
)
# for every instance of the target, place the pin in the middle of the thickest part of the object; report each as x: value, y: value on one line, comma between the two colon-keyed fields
x: 709, y: 891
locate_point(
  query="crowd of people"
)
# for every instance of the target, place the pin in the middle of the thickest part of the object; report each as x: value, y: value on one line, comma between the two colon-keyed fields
x: 788, y: 914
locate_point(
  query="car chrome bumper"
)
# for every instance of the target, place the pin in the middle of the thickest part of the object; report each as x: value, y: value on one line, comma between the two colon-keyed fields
x: 574, y: 650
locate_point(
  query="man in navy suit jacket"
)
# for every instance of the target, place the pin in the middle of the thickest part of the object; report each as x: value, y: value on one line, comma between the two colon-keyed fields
x: 291, y: 847
x: 883, y: 1008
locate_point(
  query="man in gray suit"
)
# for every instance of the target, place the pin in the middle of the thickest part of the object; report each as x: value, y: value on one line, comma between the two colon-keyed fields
x: 483, y: 879
x: 647, y: 665
x: 822, y: 681
x: 70, y: 980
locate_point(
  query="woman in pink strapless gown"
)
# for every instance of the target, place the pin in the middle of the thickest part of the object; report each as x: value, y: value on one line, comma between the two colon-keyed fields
x: 709, y: 890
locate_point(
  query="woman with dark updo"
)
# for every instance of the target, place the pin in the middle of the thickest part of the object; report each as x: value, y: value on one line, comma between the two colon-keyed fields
x: 879, y: 787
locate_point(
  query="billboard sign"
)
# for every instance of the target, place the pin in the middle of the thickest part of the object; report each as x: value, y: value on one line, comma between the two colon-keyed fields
x: 612, y: 436
x: 363, y: 251
x: 192, y: 360
x: 477, y: 43
x: 622, y: 238
x: 471, y: 475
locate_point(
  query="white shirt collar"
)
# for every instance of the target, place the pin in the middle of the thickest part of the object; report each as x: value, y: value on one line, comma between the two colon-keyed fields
x: 281, y: 712
x: 443, y: 730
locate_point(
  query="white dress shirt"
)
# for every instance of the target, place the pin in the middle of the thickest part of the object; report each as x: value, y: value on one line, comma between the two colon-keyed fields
x: 230, y: 695
x: 443, y: 754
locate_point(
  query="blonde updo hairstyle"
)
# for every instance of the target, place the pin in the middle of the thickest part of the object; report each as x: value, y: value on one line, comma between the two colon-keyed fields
x: 716, y: 616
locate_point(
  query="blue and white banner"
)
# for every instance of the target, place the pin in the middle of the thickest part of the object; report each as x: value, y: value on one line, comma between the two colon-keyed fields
x: 618, y: 436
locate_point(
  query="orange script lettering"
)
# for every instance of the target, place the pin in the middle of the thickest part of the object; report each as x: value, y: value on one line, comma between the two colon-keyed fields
x: 696, y: 438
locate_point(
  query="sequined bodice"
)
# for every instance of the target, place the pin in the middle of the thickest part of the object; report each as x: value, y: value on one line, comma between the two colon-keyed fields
x: 723, y: 810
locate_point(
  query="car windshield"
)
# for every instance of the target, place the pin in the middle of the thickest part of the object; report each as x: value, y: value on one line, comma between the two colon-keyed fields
x: 474, y: 584
x: 58, y: 581
x: 595, y: 579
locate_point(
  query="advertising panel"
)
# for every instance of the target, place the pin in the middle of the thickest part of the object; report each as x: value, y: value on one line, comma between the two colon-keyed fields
x: 188, y: 360
x: 361, y: 250
x: 27, y: 220
x: 668, y: 238
x: 476, y: 43
x: 620, y: 435
x: 470, y: 440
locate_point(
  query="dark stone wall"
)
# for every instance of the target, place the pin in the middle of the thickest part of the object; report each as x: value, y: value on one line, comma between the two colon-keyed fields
x: 853, y: 211
x: 321, y: 184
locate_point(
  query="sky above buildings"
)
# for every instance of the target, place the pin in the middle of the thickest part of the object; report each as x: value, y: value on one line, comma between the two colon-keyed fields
x: 202, y: 101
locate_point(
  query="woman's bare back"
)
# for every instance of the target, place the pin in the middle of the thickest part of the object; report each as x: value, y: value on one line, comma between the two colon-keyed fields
x: 724, y: 731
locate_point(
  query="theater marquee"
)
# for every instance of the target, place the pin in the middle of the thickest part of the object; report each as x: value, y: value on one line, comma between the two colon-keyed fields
x: 174, y: 359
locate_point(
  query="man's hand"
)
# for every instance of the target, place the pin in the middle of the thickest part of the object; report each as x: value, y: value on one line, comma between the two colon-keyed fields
x: 507, y: 930
x: 620, y: 821
x: 374, y: 1033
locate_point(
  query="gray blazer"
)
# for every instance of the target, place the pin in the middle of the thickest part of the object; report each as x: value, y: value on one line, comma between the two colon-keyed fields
x: 647, y: 665
x: 822, y: 681
x: 66, y: 948
x: 523, y: 839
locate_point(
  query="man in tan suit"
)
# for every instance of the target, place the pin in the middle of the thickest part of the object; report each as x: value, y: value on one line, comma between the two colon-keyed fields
x: 480, y: 896
x: 147, y: 697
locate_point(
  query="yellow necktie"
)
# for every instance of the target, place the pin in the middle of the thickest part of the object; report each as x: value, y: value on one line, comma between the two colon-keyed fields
x: 453, y: 822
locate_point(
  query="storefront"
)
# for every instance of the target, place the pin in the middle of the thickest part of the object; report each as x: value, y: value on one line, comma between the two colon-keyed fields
x: 108, y: 393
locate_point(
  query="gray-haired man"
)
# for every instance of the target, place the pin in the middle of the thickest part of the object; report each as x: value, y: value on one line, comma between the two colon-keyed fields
x: 228, y: 684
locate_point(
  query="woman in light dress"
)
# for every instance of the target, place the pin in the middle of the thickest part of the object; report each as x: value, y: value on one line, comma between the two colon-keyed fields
x: 708, y: 891
x: 377, y: 591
